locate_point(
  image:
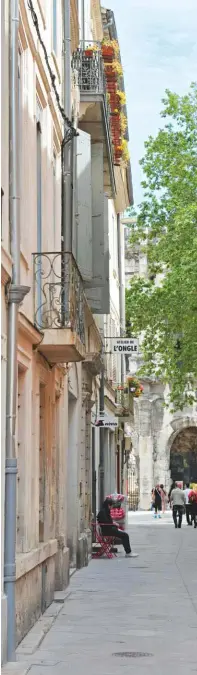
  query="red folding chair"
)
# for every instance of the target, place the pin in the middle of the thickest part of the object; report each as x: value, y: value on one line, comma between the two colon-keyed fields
x: 105, y: 542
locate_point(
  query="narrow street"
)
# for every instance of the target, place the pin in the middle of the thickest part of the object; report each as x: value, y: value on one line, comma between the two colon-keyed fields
x: 139, y: 615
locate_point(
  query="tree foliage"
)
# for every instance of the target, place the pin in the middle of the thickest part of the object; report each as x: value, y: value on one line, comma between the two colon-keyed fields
x: 163, y: 306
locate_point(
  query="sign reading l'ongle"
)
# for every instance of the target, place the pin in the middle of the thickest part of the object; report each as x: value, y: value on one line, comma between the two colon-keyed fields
x: 125, y: 346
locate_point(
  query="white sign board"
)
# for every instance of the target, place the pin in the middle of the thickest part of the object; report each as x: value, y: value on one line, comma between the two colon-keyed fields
x: 106, y: 422
x: 128, y: 346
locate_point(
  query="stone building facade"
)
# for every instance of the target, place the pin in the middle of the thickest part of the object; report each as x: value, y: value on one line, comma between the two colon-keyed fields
x: 59, y: 342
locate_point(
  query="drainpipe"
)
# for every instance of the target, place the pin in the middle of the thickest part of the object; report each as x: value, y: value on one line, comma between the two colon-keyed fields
x: 102, y: 439
x: 67, y: 158
x: 15, y: 295
x: 83, y: 24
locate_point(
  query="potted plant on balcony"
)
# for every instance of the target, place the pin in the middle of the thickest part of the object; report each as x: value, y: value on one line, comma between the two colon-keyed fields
x: 116, y: 142
x: 118, y: 149
x: 109, y: 50
x: 135, y: 388
x: 110, y: 74
x: 122, y: 96
x: 125, y: 152
x: 113, y: 70
x: 114, y: 103
x: 90, y: 50
x: 123, y: 122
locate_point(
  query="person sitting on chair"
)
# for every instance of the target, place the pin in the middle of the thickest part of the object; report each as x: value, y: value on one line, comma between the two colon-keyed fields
x: 110, y: 529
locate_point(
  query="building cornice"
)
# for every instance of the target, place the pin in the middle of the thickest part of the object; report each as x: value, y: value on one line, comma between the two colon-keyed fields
x: 28, y: 330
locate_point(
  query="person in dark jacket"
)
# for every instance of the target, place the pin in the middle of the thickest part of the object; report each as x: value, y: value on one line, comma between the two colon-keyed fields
x: 111, y: 529
x: 157, y: 501
x: 172, y: 488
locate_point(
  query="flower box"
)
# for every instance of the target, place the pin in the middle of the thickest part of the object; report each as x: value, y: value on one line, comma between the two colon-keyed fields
x: 111, y: 76
x: 88, y: 53
x: 135, y: 388
x: 114, y: 103
x: 111, y: 86
x: 107, y: 51
x: 110, y: 73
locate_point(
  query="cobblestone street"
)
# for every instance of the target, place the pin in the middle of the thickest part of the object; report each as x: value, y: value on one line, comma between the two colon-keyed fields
x: 131, y: 615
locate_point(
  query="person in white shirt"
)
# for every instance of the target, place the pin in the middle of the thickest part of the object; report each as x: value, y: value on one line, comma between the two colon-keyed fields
x: 187, y: 506
x: 178, y: 501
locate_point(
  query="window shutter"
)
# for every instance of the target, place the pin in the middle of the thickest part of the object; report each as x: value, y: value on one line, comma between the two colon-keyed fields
x: 84, y: 206
x: 98, y: 233
x: 99, y: 297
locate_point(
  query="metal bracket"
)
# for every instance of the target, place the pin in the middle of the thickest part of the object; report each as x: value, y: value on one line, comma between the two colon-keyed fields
x: 16, y: 294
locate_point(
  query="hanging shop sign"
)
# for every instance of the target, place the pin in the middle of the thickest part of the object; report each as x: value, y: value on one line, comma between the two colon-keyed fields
x: 128, y: 346
x: 106, y: 422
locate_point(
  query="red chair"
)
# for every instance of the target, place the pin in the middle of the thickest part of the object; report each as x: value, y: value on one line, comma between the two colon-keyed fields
x: 105, y: 542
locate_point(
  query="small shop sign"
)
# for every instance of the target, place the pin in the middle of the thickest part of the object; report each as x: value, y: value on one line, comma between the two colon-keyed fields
x: 129, y: 346
x: 106, y: 422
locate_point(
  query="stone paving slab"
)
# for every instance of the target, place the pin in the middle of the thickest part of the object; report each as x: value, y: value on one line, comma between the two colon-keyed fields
x: 136, y: 616
x: 15, y: 669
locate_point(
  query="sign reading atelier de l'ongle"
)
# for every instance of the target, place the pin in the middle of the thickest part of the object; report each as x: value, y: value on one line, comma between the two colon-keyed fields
x: 128, y: 346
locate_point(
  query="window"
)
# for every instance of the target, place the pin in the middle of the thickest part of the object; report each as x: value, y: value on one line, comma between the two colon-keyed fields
x: 21, y: 440
x: 42, y: 460
x: 55, y: 26
x: 54, y: 199
x: 115, y: 242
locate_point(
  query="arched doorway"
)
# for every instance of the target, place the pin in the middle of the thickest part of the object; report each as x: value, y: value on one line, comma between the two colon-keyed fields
x: 183, y: 456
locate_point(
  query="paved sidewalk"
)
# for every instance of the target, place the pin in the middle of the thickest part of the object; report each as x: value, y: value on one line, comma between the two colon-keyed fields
x: 128, y: 615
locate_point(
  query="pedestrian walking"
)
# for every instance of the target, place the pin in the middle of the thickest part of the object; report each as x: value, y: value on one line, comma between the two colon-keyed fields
x: 157, y: 501
x: 193, y: 506
x: 170, y: 491
x: 178, y: 501
x: 152, y: 499
x: 187, y: 505
x: 110, y: 529
x: 163, y: 498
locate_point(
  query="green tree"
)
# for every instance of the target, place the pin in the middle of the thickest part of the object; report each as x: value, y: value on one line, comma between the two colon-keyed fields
x: 130, y: 212
x: 163, y: 306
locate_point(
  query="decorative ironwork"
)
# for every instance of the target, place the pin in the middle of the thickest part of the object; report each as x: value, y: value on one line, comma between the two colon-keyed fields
x: 91, y: 74
x: 59, y: 300
x: 90, y: 70
x: 122, y: 400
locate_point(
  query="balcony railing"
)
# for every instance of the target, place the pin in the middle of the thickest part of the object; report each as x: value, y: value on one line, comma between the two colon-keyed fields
x: 90, y: 68
x: 122, y: 399
x: 59, y: 300
x: 91, y: 74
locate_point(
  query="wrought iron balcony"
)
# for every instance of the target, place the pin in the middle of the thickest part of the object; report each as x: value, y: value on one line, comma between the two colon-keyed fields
x: 59, y: 306
x: 95, y: 119
x: 124, y: 401
x: 90, y: 68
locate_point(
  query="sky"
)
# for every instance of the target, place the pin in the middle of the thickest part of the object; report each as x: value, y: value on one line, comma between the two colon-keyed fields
x: 158, y: 42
